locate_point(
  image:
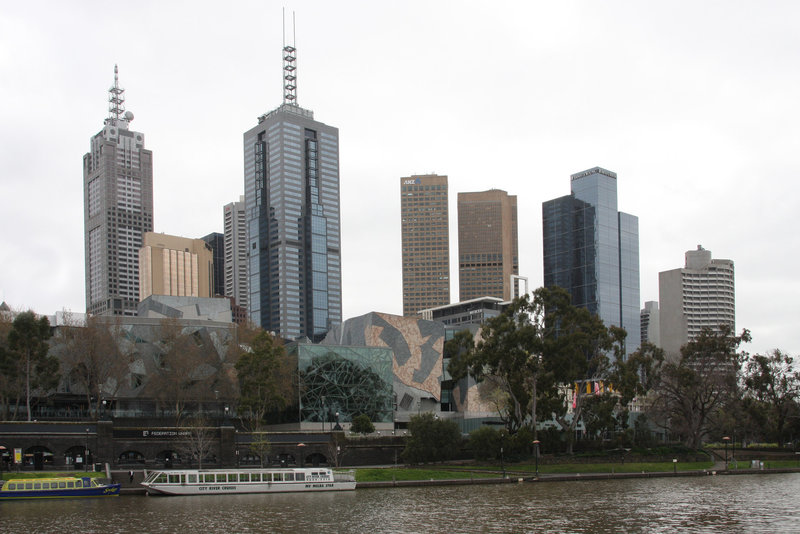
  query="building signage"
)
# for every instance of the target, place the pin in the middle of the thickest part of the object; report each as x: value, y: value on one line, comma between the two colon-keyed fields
x: 412, y: 181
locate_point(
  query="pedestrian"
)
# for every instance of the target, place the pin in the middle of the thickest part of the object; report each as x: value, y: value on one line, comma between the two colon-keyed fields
x: 131, y: 475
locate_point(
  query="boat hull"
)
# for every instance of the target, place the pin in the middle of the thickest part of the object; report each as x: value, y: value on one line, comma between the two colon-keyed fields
x: 111, y: 490
x: 241, y: 488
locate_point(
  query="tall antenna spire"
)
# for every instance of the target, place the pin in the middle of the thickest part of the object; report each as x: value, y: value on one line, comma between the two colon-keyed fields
x: 289, y: 67
x: 116, y: 98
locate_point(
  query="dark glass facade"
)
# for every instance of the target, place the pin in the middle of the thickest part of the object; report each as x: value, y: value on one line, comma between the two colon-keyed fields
x: 344, y: 380
x: 592, y: 250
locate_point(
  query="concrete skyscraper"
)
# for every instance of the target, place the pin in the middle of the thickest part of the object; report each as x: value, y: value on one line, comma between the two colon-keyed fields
x: 592, y: 251
x: 487, y: 245
x: 700, y: 295
x: 117, y: 210
x: 235, y: 271
x: 175, y: 266
x: 425, y: 242
x: 291, y: 175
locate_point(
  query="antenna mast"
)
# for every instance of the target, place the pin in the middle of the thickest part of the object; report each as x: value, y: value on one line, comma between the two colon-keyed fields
x: 289, y: 67
x: 116, y: 99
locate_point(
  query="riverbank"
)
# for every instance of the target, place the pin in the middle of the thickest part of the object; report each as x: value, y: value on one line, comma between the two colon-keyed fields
x: 572, y: 477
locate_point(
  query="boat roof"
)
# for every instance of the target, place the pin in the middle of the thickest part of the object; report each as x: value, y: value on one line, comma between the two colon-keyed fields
x: 48, y: 479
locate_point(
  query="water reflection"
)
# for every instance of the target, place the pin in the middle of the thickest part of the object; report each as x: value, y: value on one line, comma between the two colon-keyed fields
x: 760, y: 503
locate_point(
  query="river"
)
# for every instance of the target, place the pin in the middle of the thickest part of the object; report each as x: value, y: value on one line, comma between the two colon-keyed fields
x: 742, y: 503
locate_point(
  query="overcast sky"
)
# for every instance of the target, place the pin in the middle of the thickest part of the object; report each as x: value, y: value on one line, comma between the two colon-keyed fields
x: 693, y: 104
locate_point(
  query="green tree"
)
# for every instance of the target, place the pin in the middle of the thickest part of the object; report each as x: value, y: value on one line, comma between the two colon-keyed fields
x: 484, y: 442
x: 772, y: 387
x: 258, y: 371
x: 695, y: 391
x: 431, y: 439
x: 27, y: 341
x: 361, y: 424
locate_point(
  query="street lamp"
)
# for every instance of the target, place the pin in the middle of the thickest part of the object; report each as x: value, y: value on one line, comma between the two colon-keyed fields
x: 324, y: 411
x: 536, y: 455
x: 502, y: 464
x: 86, y: 451
x: 726, y: 439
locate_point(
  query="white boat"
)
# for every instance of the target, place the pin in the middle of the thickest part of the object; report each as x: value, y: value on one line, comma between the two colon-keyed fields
x: 224, y: 481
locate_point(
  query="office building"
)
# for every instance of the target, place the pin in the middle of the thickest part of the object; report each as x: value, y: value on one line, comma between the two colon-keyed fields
x: 291, y: 175
x: 466, y: 312
x: 216, y: 241
x: 175, y: 266
x: 700, y: 295
x: 592, y: 250
x: 425, y: 242
x: 117, y: 210
x: 235, y: 254
x: 487, y: 245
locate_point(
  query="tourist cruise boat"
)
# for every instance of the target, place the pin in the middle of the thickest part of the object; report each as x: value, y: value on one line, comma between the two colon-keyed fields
x: 56, y: 487
x: 223, y: 481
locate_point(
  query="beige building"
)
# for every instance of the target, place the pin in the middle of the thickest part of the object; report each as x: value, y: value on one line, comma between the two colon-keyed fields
x: 700, y: 295
x: 176, y: 266
x: 487, y: 245
x: 425, y: 241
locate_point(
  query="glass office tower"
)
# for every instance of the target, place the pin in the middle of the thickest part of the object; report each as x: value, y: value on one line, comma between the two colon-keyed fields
x: 592, y: 251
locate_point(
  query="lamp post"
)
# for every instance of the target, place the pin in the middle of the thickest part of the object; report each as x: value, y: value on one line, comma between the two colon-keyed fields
x: 324, y: 411
x: 536, y: 455
x: 502, y: 464
x: 86, y: 451
x: 726, y: 439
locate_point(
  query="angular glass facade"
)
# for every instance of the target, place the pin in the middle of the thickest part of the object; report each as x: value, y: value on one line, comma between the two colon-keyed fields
x: 592, y: 250
x: 293, y: 223
x: 344, y: 380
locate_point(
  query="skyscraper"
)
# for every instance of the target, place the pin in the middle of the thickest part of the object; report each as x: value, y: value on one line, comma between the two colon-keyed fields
x: 175, y: 266
x: 702, y: 294
x: 291, y: 175
x: 425, y: 242
x: 592, y: 251
x: 487, y: 245
x: 235, y: 271
x: 216, y: 241
x: 117, y: 210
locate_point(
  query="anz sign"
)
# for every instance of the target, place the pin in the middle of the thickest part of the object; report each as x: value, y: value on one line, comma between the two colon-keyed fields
x: 412, y: 181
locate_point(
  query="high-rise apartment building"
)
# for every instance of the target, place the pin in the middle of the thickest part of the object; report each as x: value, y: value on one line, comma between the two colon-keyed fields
x: 216, y: 241
x: 117, y: 210
x: 650, y: 323
x: 175, y: 266
x: 235, y: 268
x: 592, y: 251
x: 487, y: 245
x: 701, y: 295
x: 291, y: 175
x: 425, y: 242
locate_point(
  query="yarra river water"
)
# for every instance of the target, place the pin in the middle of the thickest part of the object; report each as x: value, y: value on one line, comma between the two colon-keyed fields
x: 742, y: 503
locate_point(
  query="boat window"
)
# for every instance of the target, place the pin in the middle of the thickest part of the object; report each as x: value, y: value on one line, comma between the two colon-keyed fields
x: 221, y: 477
x: 208, y: 477
x: 62, y: 485
x: 289, y: 477
x: 70, y: 484
x: 37, y: 485
x: 232, y: 477
x: 45, y: 485
x: 28, y: 485
x: 277, y: 477
x: 244, y: 477
x: 191, y: 479
x: 174, y: 479
x: 255, y: 477
x: 300, y: 476
x: 162, y: 478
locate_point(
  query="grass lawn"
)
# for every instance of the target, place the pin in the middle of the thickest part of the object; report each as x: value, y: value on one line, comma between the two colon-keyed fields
x: 768, y: 464
x: 389, y: 474
x: 605, y: 467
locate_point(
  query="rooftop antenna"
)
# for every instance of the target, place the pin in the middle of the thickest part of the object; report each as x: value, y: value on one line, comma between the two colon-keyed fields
x: 289, y: 65
x: 116, y: 99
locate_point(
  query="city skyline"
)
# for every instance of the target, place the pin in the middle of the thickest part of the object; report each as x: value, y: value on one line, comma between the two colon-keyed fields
x: 698, y: 121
